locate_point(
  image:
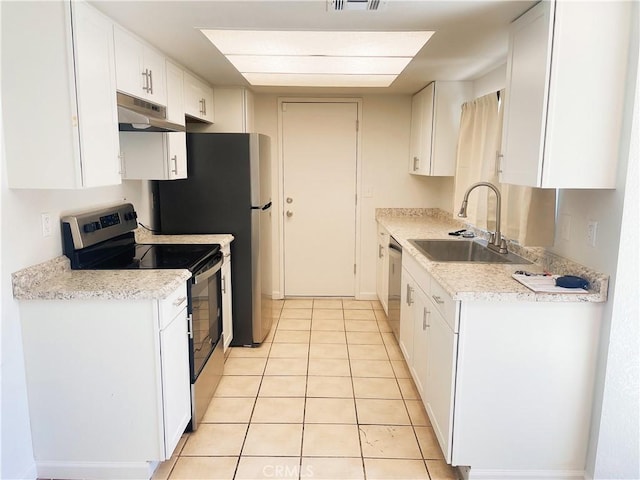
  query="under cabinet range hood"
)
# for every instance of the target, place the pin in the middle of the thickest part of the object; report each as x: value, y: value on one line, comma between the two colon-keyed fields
x: 135, y: 115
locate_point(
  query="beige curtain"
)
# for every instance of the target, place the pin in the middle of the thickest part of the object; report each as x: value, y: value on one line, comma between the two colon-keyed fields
x: 528, y: 214
x: 477, y: 146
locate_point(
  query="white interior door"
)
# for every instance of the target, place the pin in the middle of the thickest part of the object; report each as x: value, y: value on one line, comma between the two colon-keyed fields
x: 319, y: 145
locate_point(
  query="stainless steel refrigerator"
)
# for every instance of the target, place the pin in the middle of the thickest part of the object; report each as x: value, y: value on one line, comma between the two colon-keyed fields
x: 228, y: 190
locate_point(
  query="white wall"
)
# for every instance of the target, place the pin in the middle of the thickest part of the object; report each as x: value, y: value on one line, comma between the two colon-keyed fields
x: 493, y: 81
x: 615, y: 431
x: 22, y: 245
x: 619, y: 432
x: 385, y: 153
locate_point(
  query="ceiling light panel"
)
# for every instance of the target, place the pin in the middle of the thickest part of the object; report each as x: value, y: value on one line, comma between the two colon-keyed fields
x: 322, y: 65
x: 321, y: 59
x: 344, y: 44
x: 301, y: 80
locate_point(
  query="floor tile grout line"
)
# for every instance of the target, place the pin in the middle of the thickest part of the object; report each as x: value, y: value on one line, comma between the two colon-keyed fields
x: 349, y: 346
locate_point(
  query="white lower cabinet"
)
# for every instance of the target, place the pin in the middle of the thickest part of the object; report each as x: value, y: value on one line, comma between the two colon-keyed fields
x: 382, y: 268
x: 407, y: 298
x: 227, y: 313
x: 507, y: 385
x: 442, y: 348
x: 108, y: 384
x: 153, y: 155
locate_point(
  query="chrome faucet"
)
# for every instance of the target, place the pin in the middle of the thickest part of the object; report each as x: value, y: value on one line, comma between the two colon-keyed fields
x: 496, y: 242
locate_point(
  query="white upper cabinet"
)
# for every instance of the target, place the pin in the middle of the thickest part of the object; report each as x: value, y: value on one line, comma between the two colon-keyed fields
x: 175, y: 93
x: 435, y: 122
x: 566, y: 74
x: 198, y: 99
x: 233, y: 109
x: 59, y: 85
x: 140, y: 70
x: 154, y: 155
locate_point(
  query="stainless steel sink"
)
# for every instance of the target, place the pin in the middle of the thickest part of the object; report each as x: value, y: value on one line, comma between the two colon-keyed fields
x: 465, y: 251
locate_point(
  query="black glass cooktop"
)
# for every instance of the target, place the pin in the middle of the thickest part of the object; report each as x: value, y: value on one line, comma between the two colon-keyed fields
x: 158, y: 256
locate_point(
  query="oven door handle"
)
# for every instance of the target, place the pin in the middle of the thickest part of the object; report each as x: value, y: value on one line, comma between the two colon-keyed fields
x: 207, y: 273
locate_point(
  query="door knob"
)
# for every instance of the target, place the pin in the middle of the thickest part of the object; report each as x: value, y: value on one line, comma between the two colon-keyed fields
x: 289, y: 200
x: 289, y: 213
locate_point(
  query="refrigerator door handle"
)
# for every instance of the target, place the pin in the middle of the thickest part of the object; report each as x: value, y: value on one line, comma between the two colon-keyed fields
x: 266, y: 206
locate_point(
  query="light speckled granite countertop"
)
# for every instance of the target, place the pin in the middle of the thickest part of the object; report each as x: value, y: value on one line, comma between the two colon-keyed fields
x: 475, y: 281
x: 54, y: 279
x: 146, y: 236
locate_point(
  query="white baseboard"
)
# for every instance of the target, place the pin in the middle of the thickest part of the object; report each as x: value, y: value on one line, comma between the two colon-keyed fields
x: 493, y: 474
x: 366, y: 296
x: 30, y: 473
x: 96, y: 470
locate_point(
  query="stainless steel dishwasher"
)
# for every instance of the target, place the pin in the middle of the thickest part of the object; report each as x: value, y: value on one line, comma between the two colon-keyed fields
x: 395, y: 271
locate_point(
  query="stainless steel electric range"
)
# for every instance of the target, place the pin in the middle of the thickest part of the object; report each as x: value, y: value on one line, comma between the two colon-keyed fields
x: 104, y: 240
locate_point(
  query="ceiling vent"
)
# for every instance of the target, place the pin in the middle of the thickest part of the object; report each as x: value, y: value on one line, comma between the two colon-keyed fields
x: 340, y: 5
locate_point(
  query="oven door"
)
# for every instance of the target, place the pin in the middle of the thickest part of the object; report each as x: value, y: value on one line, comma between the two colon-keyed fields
x: 206, y: 354
x: 206, y: 315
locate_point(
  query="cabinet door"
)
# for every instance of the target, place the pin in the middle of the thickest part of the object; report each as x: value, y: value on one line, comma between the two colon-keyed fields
x: 415, y: 150
x: 176, y: 385
x: 207, y: 101
x: 96, y: 98
x: 177, y: 161
x: 175, y: 94
x: 155, y: 63
x: 129, y: 64
x: 227, y: 315
x: 198, y: 98
x: 526, y: 97
x: 382, y: 268
x: 421, y: 135
x: 440, y: 379
x: 421, y: 318
x: 407, y: 299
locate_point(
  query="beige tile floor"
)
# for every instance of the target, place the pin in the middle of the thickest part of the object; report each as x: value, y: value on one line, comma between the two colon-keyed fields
x: 327, y: 396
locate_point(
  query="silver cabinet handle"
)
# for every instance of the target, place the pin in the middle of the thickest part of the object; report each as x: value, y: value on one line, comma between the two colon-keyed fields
x: 437, y: 299
x: 150, y: 82
x: 416, y: 163
x: 201, y: 106
x: 289, y: 213
x: 379, y: 251
x: 122, y: 166
x: 224, y: 284
x: 146, y: 87
x: 425, y: 314
x: 409, y: 295
x: 190, y: 325
x: 204, y: 102
x: 174, y: 159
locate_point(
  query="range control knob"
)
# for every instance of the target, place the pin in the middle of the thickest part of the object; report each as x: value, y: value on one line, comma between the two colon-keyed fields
x: 130, y: 216
x: 91, y: 227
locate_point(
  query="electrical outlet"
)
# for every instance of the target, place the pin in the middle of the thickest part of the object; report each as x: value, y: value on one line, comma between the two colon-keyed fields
x: 592, y: 231
x: 46, y: 224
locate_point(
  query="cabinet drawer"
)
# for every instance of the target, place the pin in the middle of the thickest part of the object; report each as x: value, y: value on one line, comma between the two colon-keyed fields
x: 418, y: 272
x: 444, y: 303
x: 172, y: 306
